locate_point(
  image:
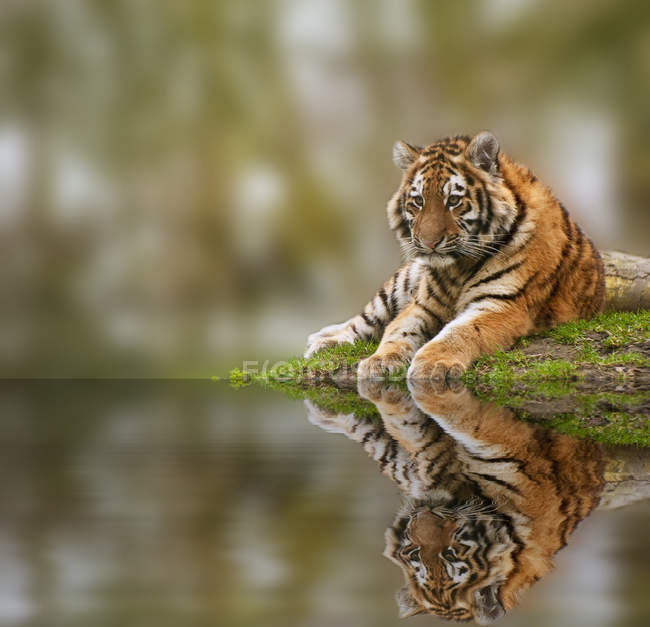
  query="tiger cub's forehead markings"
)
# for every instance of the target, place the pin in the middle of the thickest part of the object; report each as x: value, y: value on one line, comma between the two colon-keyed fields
x: 454, y: 185
x: 418, y: 184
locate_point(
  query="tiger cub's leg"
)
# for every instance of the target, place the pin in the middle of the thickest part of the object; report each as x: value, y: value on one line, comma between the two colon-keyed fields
x: 402, y: 338
x: 480, y: 329
x: 374, y: 438
x: 402, y: 418
x: 393, y: 296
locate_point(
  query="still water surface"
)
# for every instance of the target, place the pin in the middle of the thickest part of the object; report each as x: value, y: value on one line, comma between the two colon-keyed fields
x: 187, y: 503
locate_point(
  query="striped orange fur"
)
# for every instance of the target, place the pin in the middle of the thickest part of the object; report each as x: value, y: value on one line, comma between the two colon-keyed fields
x: 492, y: 255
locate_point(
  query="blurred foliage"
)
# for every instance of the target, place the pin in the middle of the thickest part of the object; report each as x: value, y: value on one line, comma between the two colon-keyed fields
x: 184, y: 182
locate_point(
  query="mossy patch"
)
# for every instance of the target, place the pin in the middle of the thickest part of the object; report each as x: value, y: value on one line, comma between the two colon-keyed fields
x: 323, y: 367
x: 621, y: 328
x: 607, y: 352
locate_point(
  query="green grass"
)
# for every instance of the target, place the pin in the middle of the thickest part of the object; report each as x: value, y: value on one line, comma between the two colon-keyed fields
x: 501, y: 369
x: 323, y: 365
x: 623, y: 328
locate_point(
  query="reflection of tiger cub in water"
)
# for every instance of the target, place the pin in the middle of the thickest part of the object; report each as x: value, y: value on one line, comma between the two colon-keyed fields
x: 489, y: 499
x: 493, y: 256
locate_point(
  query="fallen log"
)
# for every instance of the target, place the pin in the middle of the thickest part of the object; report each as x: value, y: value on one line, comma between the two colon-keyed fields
x: 627, y: 281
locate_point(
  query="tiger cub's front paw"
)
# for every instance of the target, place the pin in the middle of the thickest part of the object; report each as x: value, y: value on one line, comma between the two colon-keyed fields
x: 332, y: 335
x: 380, y: 364
x: 428, y: 365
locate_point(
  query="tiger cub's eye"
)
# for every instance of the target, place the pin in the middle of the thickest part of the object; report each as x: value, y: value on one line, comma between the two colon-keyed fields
x: 453, y: 200
x: 418, y: 201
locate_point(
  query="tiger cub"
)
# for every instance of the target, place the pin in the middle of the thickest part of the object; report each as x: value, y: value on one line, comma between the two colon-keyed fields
x: 492, y: 256
x: 489, y: 499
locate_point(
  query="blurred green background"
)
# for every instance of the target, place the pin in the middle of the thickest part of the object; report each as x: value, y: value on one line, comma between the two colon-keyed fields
x: 185, y: 185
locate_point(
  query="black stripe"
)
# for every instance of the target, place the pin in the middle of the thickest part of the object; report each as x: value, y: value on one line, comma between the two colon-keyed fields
x: 496, y: 275
x: 519, y: 463
x: 442, y: 285
x: 431, y: 313
x: 433, y: 295
x: 431, y: 465
x: 566, y: 222
x: 407, y: 282
x: 521, y: 214
x: 487, y: 221
x: 446, y: 169
x: 480, y: 199
x: 512, y: 296
x: 426, y: 169
x: 478, y: 265
x: 564, y: 532
x: 580, y: 243
x: 389, y: 450
x: 554, y: 276
x: 557, y: 274
x: 429, y: 444
x: 368, y: 320
x: 384, y: 299
x: 517, y: 541
x: 394, y: 304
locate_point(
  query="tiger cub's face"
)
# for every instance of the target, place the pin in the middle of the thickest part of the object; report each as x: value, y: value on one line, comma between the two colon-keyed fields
x: 454, y: 562
x: 451, y: 202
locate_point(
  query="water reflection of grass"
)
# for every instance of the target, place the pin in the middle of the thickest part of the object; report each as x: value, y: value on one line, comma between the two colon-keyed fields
x: 612, y: 428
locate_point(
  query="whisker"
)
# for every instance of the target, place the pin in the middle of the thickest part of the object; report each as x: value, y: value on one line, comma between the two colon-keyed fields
x: 480, y: 246
x: 469, y: 238
x: 479, y: 237
x: 476, y: 251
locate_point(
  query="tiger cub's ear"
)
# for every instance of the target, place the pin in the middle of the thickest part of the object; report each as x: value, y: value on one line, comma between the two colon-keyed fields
x: 404, y: 154
x: 483, y: 151
x: 407, y: 606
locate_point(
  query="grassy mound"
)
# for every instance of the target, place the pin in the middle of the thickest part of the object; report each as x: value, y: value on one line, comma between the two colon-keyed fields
x: 588, y: 378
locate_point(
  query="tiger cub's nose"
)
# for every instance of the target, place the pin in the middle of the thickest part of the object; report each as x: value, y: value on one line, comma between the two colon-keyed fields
x: 432, y: 243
